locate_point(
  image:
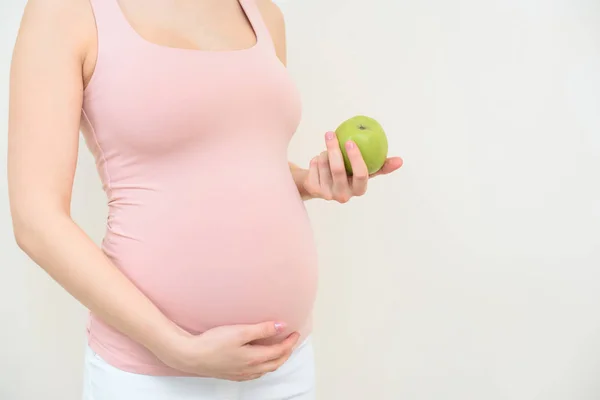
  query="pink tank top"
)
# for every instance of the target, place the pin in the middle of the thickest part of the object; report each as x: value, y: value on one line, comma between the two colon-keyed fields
x: 204, y: 216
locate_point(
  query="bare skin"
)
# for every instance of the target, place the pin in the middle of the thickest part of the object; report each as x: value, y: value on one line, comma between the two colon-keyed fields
x: 53, y: 61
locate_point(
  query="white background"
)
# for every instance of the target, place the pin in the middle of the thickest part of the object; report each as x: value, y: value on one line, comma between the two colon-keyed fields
x: 474, y: 272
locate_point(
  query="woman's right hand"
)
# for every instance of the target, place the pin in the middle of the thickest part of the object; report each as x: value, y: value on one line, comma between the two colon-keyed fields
x: 227, y: 352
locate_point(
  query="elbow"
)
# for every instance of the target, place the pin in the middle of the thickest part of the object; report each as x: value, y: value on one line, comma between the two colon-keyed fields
x: 34, y: 222
x: 22, y: 234
x: 27, y: 228
x: 34, y: 227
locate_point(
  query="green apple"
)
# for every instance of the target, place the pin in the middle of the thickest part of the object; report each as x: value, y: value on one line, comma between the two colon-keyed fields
x: 370, y: 138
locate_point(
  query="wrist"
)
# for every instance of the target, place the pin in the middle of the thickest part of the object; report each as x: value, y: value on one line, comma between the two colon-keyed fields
x: 184, y: 351
x: 299, y: 175
x: 168, y: 342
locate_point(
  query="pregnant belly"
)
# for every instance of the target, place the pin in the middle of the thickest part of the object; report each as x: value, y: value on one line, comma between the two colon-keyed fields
x: 220, y: 257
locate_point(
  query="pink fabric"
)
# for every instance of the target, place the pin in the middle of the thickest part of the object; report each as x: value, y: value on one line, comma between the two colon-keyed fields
x: 204, y: 216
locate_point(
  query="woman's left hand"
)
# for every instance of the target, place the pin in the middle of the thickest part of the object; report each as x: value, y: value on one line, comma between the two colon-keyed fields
x: 327, y: 179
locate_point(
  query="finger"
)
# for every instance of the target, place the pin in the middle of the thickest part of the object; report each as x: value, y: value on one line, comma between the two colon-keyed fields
x: 244, y: 377
x: 312, y: 184
x: 336, y: 164
x: 325, y: 178
x: 260, y: 354
x: 360, y: 172
x: 250, y: 376
x: 263, y: 330
x: 274, y: 365
x: 390, y: 165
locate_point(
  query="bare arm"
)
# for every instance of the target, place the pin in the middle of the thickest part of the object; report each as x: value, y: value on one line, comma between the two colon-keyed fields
x: 326, y: 177
x: 46, y: 92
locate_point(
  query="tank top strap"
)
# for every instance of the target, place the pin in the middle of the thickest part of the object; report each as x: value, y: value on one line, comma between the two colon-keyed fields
x: 263, y: 35
x: 111, y: 24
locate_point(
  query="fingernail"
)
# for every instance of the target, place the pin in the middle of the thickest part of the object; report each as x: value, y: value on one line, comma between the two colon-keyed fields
x: 279, y: 326
x: 329, y: 135
x: 350, y: 145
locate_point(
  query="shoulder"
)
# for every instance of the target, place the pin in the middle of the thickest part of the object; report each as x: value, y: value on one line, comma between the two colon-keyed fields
x: 275, y: 21
x: 68, y: 24
x: 272, y: 15
x: 62, y: 15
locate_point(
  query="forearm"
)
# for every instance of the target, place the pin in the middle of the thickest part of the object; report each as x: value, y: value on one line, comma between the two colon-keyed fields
x: 71, y: 258
x: 299, y: 176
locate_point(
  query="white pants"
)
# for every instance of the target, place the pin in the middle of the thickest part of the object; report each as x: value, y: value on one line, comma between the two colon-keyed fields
x: 295, y: 380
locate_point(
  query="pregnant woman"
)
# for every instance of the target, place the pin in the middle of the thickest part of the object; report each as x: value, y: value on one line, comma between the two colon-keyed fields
x: 204, y: 284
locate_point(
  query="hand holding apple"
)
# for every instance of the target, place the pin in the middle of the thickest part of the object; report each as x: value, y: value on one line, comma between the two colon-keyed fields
x: 342, y: 171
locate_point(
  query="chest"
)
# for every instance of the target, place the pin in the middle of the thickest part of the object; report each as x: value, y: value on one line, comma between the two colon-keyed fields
x: 212, y: 25
x: 149, y: 99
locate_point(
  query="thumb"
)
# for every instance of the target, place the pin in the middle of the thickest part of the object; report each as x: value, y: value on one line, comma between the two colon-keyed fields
x: 390, y: 165
x: 262, y: 331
